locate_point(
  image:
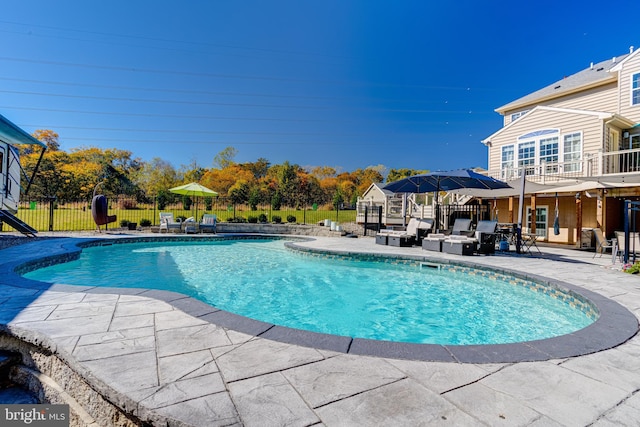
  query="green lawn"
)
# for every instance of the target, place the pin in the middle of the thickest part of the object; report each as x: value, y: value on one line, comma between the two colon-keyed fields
x: 77, y: 216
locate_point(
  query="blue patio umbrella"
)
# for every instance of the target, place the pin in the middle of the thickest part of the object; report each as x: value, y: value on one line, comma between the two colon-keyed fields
x: 445, y: 181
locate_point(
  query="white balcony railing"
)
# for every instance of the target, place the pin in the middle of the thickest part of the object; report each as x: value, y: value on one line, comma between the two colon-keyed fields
x: 595, y: 164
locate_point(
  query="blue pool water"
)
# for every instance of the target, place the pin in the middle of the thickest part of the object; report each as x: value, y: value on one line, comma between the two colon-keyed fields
x: 263, y: 280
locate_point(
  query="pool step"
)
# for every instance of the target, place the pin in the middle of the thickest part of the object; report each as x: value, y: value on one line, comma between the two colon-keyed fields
x: 10, y: 392
x: 17, y: 395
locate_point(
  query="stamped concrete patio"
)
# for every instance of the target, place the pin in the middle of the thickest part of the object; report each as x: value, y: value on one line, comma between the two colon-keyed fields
x: 167, y: 360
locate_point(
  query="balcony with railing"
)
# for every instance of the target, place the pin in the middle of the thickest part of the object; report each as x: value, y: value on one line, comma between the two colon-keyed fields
x: 598, y: 164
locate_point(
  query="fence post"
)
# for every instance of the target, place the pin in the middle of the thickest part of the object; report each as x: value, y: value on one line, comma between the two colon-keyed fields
x: 366, y: 219
x: 51, y: 203
x: 304, y: 215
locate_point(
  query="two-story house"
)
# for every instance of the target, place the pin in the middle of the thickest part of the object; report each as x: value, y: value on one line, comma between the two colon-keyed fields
x: 578, y: 143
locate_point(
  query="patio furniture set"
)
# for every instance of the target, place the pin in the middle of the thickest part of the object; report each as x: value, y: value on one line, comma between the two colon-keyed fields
x: 617, y: 245
x: 460, y: 240
x: 206, y: 225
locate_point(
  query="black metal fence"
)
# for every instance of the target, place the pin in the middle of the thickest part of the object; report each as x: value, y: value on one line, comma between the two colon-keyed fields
x: 64, y: 215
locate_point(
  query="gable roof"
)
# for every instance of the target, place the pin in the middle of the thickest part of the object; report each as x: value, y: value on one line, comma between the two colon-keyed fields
x: 595, y: 75
x: 378, y: 187
x: 602, y: 115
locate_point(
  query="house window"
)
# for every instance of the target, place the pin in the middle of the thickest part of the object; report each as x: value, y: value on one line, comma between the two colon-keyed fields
x: 549, y: 154
x: 573, y: 152
x: 506, y: 162
x: 635, y: 89
x: 542, y: 220
x: 516, y: 116
x: 527, y: 156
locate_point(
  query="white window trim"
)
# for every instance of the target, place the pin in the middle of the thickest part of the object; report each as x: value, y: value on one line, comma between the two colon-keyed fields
x: 540, y: 233
x: 513, y: 149
x: 516, y: 116
x: 540, y: 134
x: 562, y: 152
x: 631, y: 89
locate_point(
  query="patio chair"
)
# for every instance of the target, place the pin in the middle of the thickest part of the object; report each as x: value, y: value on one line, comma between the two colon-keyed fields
x: 99, y: 210
x: 167, y: 223
x: 208, y: 223
x: 634, y: 244
x: 461, y: 227
x: 485, y: 234
x: 414, y: 232
x: 602, y: 244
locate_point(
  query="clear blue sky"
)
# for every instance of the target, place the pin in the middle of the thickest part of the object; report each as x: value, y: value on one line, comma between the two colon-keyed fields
x: 339, y: 83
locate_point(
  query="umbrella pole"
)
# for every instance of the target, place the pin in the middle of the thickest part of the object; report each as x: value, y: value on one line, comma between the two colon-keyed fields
x: 520, y: 212
x: 438, y: 206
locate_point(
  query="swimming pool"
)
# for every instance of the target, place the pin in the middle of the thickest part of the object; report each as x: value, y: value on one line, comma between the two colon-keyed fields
x: 355, y: 297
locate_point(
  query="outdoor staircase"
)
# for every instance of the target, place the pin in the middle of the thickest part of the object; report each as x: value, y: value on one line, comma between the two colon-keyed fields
x: 17, y: 223
x: 10, y: 391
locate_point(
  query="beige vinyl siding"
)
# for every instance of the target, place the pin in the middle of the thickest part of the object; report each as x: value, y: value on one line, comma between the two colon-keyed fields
x: 566, y: 123
x: 602, y: 98
x: 626, y: 109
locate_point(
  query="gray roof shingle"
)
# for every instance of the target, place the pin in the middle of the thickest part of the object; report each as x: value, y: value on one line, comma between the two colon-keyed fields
x: 592, y: 75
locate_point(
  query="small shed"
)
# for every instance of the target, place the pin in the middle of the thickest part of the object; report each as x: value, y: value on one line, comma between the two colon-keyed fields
x: 376, y: 197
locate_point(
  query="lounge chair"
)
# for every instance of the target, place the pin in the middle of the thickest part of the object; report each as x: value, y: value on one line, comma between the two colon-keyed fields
x: 167, y: 223
x: 433, y: 242
x: 414, y: 232
x: 602, y: 244
x: 459, y: 245
x: 208, y: 223
x: 485, y: 234
x: 461, y: 227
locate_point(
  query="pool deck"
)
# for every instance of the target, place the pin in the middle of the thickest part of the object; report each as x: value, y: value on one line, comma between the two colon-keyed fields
x: 164, y: 356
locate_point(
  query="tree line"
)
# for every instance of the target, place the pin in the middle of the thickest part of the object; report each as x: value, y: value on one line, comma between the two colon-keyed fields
x: 75, y: 174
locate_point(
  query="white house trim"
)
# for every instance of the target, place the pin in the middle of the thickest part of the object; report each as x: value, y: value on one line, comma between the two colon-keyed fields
x: 619, y: 66
x: 602, y: 115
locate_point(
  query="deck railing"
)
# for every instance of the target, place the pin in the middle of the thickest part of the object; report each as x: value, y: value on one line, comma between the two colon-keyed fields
x: 593, y: 164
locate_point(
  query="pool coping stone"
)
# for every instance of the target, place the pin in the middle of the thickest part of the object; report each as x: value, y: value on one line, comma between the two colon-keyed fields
x: 614, y: 325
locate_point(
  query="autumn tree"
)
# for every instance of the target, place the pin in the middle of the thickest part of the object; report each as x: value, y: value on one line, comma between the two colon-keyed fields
x: 259, y: 168
x: 54, y: 174
x: 239, y: 192
x: 49, y: 137
x: 323, y: 172
x: 398, y: 174
x: 221, y: 180
x: 113, y: 168
x: 191, y: 172
x: 286, y: 177
x: 157, y: 176
x: 225, y: 158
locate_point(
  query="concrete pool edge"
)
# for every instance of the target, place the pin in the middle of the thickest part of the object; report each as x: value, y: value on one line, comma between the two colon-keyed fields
x: 614, y: 326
